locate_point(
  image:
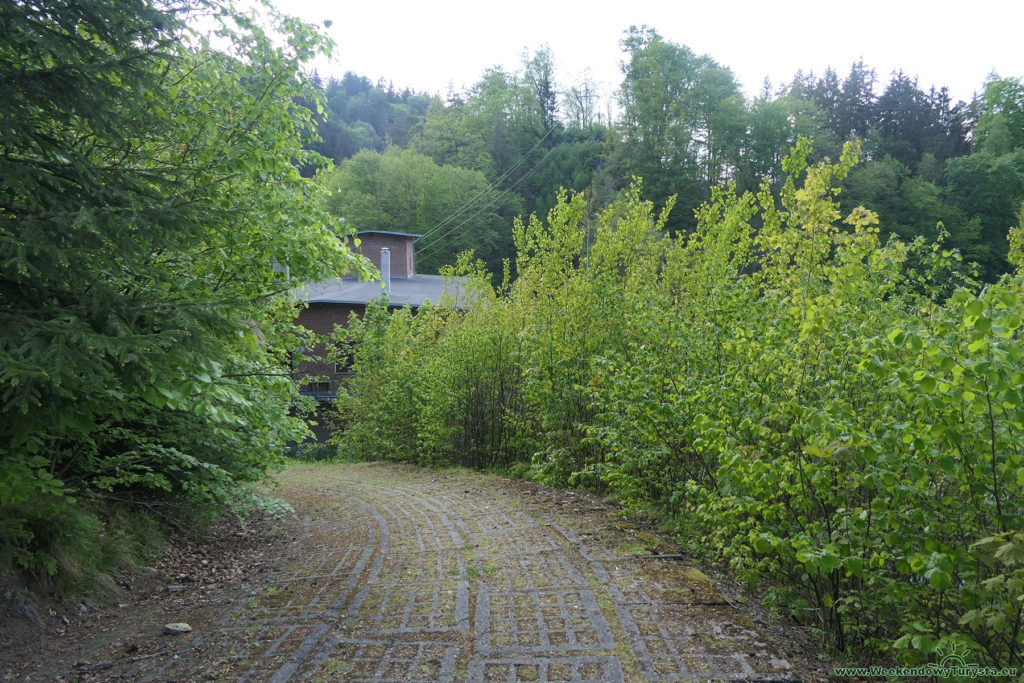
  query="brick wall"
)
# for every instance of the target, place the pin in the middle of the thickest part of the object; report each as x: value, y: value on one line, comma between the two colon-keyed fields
x: 402, y: 252
x: 321, y: 318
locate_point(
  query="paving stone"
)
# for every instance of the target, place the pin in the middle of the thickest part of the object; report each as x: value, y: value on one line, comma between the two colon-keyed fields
x: 659, y: 581
x: 442, y: 582
x: 547, y: 669
x: 381, y: 661
x: 413, y: 608
x: 513, y: 571
x: 421, y: 567
x: 526, y: 622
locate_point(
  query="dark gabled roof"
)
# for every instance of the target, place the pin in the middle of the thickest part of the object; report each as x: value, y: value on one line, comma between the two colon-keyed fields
x: 405, y: 291
x: 388, y: 232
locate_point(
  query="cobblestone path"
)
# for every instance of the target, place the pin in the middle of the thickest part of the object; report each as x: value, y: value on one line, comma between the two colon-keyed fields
x: 414, y: 575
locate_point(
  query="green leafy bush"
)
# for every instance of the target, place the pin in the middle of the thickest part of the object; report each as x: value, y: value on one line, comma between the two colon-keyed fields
x: 840, y: 416
x: 149, y: 181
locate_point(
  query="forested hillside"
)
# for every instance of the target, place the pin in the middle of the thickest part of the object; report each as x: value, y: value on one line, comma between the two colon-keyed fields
x: 681, y: 122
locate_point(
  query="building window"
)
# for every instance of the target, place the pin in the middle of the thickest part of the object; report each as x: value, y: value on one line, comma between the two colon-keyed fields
x: 317, y: 388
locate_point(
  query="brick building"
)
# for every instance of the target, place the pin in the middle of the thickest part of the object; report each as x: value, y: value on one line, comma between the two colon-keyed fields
x: 330, y: 303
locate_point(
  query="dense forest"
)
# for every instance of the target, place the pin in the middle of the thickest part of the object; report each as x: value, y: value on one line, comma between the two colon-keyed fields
x: 459, y: 170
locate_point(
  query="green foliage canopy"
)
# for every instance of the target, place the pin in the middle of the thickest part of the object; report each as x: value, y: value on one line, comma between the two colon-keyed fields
x: 1001, y: 124
x: 683, y: 118
x: 812, y: 404
x: 148, y: 183
x: 403, y: 191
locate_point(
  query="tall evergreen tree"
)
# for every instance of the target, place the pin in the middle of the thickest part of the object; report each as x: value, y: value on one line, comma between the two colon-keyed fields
x: 146, y: 189
x: 857, y: 103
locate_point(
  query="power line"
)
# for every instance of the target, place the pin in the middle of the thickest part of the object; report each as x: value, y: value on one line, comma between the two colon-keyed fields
x: 494, y: 201
x: 483, y: 192
x: 426, y: 249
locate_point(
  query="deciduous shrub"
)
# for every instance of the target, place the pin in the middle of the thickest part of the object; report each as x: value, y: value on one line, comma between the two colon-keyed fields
x: 839, y: 416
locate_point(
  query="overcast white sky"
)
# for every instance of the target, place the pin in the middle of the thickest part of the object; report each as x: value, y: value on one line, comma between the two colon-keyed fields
x: 430, y: 43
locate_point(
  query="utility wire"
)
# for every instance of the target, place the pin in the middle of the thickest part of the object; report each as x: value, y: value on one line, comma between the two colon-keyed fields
x: 427, y: 249
x: 494, y: 201
x: 487, y: 189
x: 484, y: 191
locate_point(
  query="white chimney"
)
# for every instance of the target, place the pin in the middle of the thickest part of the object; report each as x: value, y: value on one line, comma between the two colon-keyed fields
x: 385, y: 269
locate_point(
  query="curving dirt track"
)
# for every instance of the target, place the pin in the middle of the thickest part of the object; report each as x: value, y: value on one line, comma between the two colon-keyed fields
x: 415, y: 575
